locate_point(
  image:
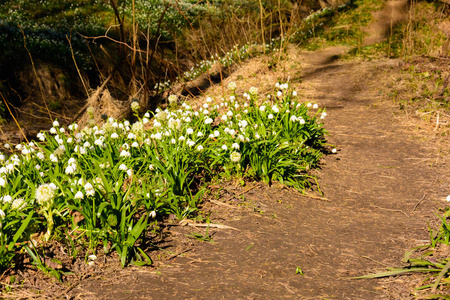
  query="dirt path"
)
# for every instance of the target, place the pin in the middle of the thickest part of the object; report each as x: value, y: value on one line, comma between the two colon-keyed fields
x: 382, y: 188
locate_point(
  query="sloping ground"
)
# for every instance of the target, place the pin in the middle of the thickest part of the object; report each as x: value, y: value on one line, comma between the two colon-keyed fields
x: 374, y: 213
x: 381, y: 189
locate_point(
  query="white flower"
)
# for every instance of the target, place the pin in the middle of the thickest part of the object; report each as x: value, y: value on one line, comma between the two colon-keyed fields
x: 2, y: 157
x: 235, y: 156
x: 45, y: 194
x: 41, y: 136
x: 323, y: 115
x: 114, y: 135
x: 53, y: 158
x: 448, y: 198
x: 55, y: 123
x: 6, y: 198
x: 89, y: 189
x: 187, y: 119
x: 145, y: 120
x: 2, y: 181
x: 208, y: 121
x: 158, y: 135
x: 19, y: 146
x: 7, y: 146
x: 125, y: 153
x: 224, y: 147
x: 301, y: 120
x: 152, y: 214
x: 129, y: 172
x: 293, y: 118
x: 275, y: 109
x: 70, y: 169
x: 92, y: 257
x: 315, y: 106
x: 151, y: 167
x: 126, y: 123
x: 257, y: 136
x: 279, y: 94
x: 147, y: 115
x: 334, y: 151
x: 53, y: 130
x: 199, y: 147
x: 253, y: 90
x: 181, y: 138
x: 79, y: 195
x: 294, y: 93
x: 232, y: 86
x: 135, y: 145
x: 224, y: 118
x: 10, y: 168
x: 123, y: 167
x: 2, y: 215
x: 262, y: 108
x: 190, y: 143
x: 235, y: 146
x: 173, y: 141
x: 189, y: 131
x: 62, y: 130
x: 135, y: 106
x: 86, y: 144
x: 173, y: 99
x: 216, y: 133
x: 270, y: 116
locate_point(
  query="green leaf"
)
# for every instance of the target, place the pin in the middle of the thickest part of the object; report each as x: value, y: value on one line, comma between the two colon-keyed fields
x: 20, y: 231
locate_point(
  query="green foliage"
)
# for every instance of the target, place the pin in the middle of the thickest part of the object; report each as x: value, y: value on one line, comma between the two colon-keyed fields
x: 420, y: 35
x: 427, y: 259
x: 102, y: 185
x: 342, y: 25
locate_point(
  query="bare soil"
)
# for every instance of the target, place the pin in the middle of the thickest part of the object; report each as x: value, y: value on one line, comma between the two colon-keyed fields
x: 381, y: 189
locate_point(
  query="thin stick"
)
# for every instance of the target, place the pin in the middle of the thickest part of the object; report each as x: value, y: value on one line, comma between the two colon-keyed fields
x: 223, y: 204
x: 76, y: 66
x: 437, y: 122
x: 441, y: 274
x: 241, y: 193
x: 4, y: 100
x: 366, y: 257
x: 41, y: 88
x: 210, y: 225
x: 396, y: 210
x: 418, y: 203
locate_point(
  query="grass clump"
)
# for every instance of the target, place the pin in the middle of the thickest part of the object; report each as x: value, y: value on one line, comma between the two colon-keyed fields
x: 98, y: 188
x: 342, y: 25
x: 432, y: 259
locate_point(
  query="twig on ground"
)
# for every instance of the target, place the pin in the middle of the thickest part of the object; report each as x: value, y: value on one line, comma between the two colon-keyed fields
x: 179, y: 253
x: 241, y: 193
x: 222, y: 204
x: 315, y: 197
x: 366, y: 257
x: 210, y: 225
x: 396, y: 210
x: 418, y: 203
